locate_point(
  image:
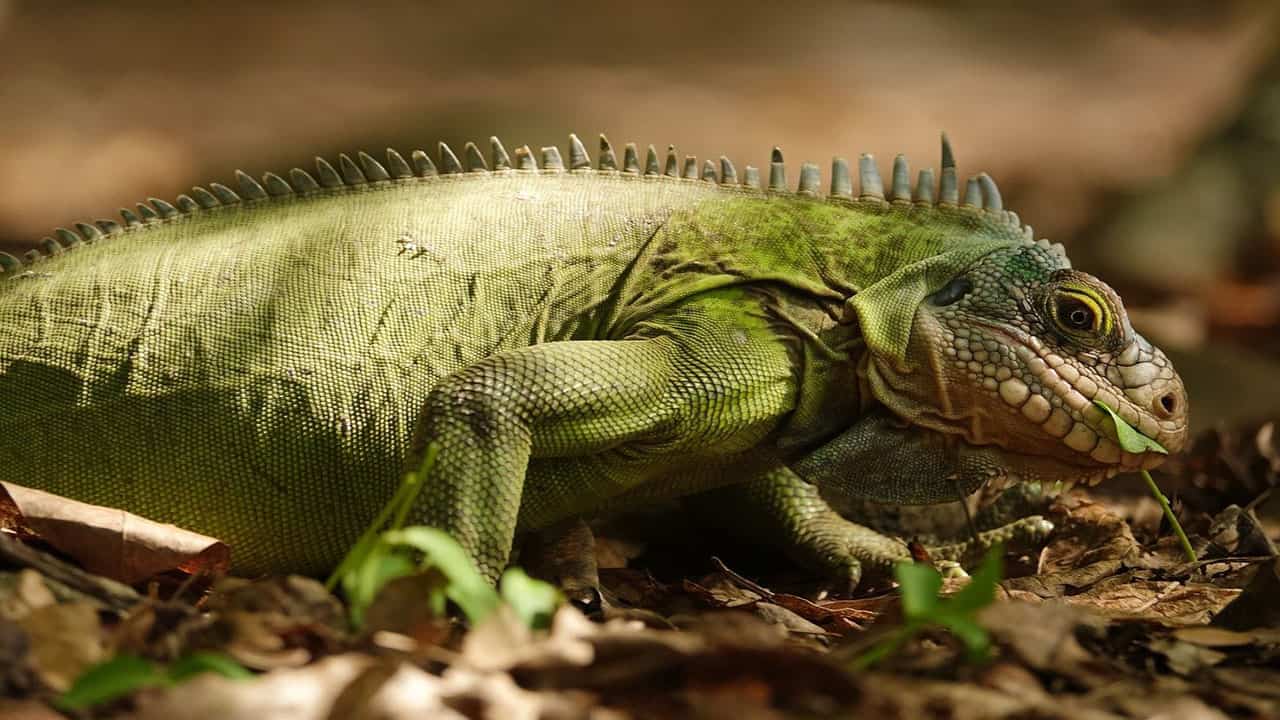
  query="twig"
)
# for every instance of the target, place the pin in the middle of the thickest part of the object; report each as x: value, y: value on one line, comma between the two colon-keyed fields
x: 764, y: 592
x: 113, y: 594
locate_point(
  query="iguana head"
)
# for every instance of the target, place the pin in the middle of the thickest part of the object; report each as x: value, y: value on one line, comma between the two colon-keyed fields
x: 993, y: 340
x: 1013, y: 350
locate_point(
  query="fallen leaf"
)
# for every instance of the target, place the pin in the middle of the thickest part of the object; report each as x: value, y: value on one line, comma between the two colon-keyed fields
x: 27, y: 710
x: 17, y: 678
x: 502, y: 641
x: 780, y: 616
x: 402, y: 607
x: 1215, y: 637
x: 888, y: 696
x: 1184, y: 658
x: 109, y: 542
x: 1088, y: 533
x: 28, y: 593
x: 1014, y: 679
x: 1046, y: 637
x: 65, y: 639
x: 719, y: 590
x: 1256, y: 606
x: 1169, y: 603
x: 1157, y: 706
x: 307, y: 693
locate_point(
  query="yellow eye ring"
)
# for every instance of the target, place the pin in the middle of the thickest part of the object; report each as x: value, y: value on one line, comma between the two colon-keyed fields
x: 1078, y: 309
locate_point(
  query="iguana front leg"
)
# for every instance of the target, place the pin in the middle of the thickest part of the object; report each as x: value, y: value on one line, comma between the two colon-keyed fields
x: 710, y: 377
x: 784, y: 510
x: 878, y: 458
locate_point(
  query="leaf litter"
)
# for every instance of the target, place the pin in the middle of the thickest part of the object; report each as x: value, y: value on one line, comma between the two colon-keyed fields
x: 1108, y: 619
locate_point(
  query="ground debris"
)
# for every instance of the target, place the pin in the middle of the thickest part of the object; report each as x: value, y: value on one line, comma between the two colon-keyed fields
x: 1109, y: 620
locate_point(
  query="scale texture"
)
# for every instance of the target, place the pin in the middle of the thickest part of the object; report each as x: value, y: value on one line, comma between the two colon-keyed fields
x: 538, y: 344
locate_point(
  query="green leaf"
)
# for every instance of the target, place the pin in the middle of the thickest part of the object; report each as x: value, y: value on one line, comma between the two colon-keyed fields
x: 118, y: 677
x: 534, y: 601
x: 1129, y: 438
x: 467, y: 588
x: 392, y: 513
x: 919, y: 585
x: 203, y: 662
x: 380, y: 566
x: 977, y: 643
x: 124, y: 675
x: 981, y: 590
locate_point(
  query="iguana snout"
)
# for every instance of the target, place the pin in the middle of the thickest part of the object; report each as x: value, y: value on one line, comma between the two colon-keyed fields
x: 1015, y: 351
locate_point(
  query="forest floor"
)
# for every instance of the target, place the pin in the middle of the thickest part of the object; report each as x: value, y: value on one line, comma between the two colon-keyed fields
x: 1106, y: 620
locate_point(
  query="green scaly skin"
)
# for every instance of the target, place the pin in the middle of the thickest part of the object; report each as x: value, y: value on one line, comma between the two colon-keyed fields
x: 564, y: 341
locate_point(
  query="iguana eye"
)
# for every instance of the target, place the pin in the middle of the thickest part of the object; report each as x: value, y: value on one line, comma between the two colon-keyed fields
x: 952, y: 291
x: 1076, y: 315
x: 1079, y: 311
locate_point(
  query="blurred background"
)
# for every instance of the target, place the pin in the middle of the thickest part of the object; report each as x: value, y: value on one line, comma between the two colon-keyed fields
x: 1144, y: 136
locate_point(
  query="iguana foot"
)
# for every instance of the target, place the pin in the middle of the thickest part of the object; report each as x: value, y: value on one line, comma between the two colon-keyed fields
x: 782, y: 510
x: 564, y: 555
x: 1023, y: 532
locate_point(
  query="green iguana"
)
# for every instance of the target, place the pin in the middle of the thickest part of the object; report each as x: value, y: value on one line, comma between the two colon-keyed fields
x: 542, y: 342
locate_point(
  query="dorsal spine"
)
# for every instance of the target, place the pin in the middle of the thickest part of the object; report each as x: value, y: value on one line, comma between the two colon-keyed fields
x: 981, y: 197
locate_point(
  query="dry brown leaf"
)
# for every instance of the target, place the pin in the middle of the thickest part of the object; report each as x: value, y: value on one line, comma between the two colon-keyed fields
x: 1183, y: 658
x: 28, y: 593
x: 1157, y: 706
x: 840, y: 617
x: 1013, y: 679
x: 109, y: 542
x: 1046, y: 636
x: 792, y: 622
x: 718, y: 590
x: 17, y: 678
x: 1169, y: 603
x: 27, y: 710
x: 1055, y: 585
x: 65, y: 639
x: 888, y: 696
x: 502, y: 641
x: 401, y: 607
x: 1219, y: 637
x: 1089, y: 534
x: 1256, y: 606
x: 357, y: 687
x: 307, y: 693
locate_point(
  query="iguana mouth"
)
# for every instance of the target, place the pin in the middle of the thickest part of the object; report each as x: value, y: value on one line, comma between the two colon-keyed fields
x: 1059, y: 400
x: 1053, y: 477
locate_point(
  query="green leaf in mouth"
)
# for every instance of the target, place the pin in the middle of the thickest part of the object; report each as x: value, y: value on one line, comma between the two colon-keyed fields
x: 1130, y: 439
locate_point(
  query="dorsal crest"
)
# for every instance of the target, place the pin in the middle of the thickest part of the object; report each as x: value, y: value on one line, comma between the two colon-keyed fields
x: 981, y: 197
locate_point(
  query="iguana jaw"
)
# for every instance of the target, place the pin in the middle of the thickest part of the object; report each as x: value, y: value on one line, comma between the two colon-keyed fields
x: 995, y: 384
x: 1131, y: 381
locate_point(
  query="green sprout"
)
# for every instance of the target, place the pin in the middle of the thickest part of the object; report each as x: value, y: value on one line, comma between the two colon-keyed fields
x: 125, y: 674
x: 386, y: 550
x: 1134, y: 441
x: 923, y: 608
